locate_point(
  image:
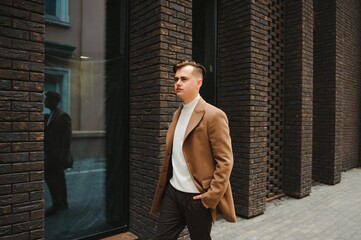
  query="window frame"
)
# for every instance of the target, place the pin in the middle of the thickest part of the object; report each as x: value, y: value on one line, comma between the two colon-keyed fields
x: 62, y: 14
x: 63, y: 87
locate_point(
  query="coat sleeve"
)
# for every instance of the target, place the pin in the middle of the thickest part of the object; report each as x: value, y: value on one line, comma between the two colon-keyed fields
x: 220, y: 140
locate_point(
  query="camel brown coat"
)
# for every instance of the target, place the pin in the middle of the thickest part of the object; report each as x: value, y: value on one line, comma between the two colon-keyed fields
x: 208, y: 153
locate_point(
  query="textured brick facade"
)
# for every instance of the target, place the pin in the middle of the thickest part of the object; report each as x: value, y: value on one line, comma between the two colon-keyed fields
x: 337, y: 89
x: 288, y: 79
x: 235, y: 97
x: 348, y: 67
x: 21, y: 119
x: 298, y: 97
x: 326, y: 161
x: 243, y: 94
x: 160, y: 36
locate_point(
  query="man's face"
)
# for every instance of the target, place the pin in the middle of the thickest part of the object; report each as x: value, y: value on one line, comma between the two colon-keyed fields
x: 46, y: 102
x: 187, y: 83
x: 50, y: 103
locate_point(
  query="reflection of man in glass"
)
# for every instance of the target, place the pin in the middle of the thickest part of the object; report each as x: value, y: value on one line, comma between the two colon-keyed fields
x: 57, y: 137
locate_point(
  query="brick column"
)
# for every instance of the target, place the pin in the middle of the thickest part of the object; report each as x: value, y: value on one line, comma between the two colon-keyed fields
x: 298, y: 97
x: 160, y: 35
x: 21, y: 119
x: 348, y: 62
x: 337, y: 89
x: 327, y: 93
x: 242, y: 93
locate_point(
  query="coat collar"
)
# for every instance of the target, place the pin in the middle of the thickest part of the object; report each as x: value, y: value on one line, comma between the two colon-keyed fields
x: 53, y: 115
x: 196, y: 117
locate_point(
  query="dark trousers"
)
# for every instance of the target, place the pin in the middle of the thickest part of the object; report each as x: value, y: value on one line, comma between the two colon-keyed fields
x: 179, y: 209
x: 55, y: 179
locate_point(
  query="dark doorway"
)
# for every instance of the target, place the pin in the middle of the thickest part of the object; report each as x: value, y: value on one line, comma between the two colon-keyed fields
x: 205, y: 44
x: 117, y: 113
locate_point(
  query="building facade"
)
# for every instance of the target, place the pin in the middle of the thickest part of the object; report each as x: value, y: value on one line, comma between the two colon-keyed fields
x: 287, y: 74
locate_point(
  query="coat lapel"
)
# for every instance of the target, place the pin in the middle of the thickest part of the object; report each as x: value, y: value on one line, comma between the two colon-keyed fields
x: 171, y: 129
x: 196, y: 117
x: 54, y: 115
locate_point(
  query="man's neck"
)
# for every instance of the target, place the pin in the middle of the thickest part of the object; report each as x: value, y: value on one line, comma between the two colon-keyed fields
x: 53, y: 109
x: 185, y: 103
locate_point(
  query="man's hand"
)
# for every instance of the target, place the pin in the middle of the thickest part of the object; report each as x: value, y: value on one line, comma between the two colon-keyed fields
x: 199, y: 197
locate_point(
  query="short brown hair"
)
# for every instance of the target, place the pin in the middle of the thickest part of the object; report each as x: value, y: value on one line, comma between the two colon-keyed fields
x: 198, y: 67
x: 53, y: 96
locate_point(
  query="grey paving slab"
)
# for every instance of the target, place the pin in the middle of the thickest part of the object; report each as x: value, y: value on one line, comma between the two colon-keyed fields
x: 329, y: 213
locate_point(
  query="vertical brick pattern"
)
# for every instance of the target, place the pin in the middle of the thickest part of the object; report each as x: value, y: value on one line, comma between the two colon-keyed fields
x: 275, y: 100
x: 298, y: 97
x: 242, y: 93
x: 348, y: 73
x: 160, y: 35
x: 259, y: 106
x: 337, y: 89
x: 327, y: 129
x: 339, y: 78
x: 234, y: 70
x: 21, y: 119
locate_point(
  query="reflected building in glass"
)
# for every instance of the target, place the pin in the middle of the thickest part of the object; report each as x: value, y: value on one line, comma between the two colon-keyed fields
x: 87, y: 69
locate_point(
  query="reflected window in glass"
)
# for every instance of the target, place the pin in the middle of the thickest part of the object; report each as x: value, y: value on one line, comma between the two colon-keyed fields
x: 86, y: 64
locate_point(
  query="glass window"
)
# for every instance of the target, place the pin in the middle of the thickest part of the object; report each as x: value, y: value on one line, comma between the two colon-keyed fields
x: 87, y: 66
x: 57, y: 12
x: 50, y: 7
x: 58, y: 80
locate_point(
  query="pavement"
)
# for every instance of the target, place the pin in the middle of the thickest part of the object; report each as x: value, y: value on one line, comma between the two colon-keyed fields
x: 330, y: 212
x: 86, y: 213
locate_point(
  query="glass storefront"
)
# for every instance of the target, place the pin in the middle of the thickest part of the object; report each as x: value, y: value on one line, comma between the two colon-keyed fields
x: 86, y: 63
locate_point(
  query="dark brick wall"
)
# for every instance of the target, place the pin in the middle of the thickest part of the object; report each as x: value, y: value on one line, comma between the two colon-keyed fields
x: 337, y: 93
x: 298, y: 98
x: 21, y: 119
x: 327, y: 127
x: 241, y: 82
x: 233, y: 93
x: 251, y: 68
x: 348, y: 63
x: 275, y: 118
x: 160, y: 35
x: 252, y: 62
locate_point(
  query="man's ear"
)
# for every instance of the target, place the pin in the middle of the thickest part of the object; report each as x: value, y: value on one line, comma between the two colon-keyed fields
x: 199, y: 83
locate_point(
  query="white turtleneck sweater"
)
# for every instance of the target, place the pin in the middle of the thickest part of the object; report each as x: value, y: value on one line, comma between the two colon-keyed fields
x: 181, y: 179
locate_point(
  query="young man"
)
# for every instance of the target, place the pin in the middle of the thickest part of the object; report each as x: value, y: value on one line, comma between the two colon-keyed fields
x: 194, y: 182
x: 57, y: 138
